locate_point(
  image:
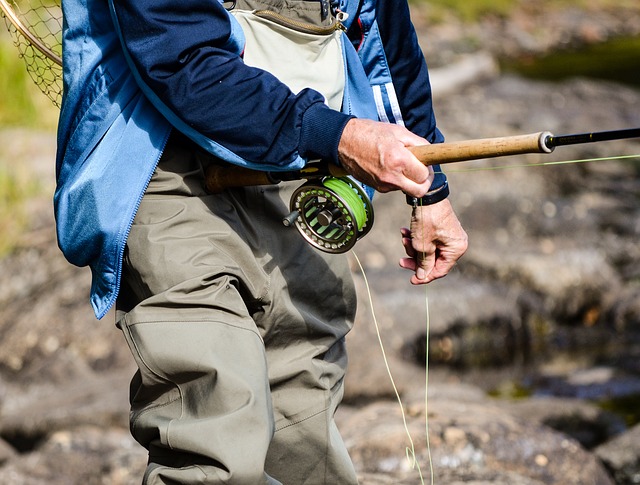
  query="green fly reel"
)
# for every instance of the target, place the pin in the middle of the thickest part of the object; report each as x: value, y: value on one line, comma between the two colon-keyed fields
x: 331, y: 213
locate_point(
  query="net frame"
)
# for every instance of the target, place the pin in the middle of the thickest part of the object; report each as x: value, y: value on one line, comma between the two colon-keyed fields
x: 36, y: 31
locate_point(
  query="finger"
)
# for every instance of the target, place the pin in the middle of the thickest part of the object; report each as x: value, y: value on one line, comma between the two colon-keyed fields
x: 425, y: 262
x: 439, y: 271
x: 408, y: 248
x: 406, y: 242
x: 408, y: 263
x: 417, y: 178
x: 418, y: 172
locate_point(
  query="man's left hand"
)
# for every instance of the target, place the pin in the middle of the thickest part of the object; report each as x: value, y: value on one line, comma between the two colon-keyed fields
x: 434, y: 243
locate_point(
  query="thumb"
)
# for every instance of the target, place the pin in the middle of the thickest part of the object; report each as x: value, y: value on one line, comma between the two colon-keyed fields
x: 425, y: 262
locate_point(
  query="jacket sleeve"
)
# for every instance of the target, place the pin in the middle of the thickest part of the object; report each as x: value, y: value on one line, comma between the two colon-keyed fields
x: 183, y: 56
x: 388, y: 46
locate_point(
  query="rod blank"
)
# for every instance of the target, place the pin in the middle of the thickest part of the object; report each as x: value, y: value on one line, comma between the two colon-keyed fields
x: 580, y: 138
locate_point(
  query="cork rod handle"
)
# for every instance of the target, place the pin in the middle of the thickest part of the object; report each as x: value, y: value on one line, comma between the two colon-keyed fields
x: 461, y: 151
x: 220, y: 177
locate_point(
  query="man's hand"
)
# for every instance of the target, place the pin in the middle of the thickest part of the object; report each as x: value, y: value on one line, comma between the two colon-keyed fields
x: 434, y: 243
x: 376, y: 153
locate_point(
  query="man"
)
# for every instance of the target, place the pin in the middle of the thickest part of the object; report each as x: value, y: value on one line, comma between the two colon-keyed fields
x: 236, y: 323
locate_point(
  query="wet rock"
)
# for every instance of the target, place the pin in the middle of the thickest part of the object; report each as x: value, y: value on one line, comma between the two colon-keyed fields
x: 7, y: 452
x: 622, y: 456
x: 85, y: 455
x: 584, y: 422
x: 28, y: 418
x: 471, y: 440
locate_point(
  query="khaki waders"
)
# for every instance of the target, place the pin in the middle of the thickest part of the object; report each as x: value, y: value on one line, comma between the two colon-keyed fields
x: 236, y: 323
x: 237, y: 326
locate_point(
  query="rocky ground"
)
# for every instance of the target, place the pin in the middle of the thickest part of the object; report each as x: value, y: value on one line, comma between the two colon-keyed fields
x: 544, y: 304
x: 533, y: 333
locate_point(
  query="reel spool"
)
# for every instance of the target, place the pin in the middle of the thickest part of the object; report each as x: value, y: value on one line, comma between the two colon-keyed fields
x: 331, y: 214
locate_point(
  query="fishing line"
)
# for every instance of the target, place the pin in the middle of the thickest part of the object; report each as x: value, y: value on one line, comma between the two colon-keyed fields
x: 426, y: 379
x: 540, y: 164
x: 346, y: 192
x: 410, y: 450
x: 426, y: 383
x: 353, y: 200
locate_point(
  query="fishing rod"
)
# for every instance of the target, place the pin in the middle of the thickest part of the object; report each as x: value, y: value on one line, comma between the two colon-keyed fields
x: 332, y: 211
x: 542, y: 142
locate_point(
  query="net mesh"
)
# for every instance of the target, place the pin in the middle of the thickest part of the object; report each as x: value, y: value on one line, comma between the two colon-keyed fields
x: 36, y: 29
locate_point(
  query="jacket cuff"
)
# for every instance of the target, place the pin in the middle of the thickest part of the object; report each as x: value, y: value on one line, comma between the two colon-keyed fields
x: 320, y: 133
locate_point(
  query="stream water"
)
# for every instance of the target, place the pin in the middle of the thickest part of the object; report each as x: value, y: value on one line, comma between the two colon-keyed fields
x: 614, y: 60
x: 592, y: 364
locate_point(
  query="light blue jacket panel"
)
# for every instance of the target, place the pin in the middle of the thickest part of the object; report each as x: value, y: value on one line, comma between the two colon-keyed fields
x: 110, y: 138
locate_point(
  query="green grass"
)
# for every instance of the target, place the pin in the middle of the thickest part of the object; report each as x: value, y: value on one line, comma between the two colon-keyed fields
x: 17, y: 106
x: 22, y: 102
x: 16, y: 188
x: 469, y: 10
x: 21, y: 105
x: 474, y: 10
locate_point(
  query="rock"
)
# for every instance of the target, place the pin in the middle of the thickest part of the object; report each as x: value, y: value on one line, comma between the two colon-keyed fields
x: 7, y: 452
x: 621, y: 455
x: 367, y: 378
x: 624, y: 313
x: 571, y: 281
x: 467, y: 439
x: 469, y: 69
x: 584, y: 422
x: 85, y: 455
x: 28, y: 418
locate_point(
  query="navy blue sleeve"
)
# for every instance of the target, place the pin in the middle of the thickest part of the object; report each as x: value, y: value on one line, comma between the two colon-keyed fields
x: 409, y: 73
x: 180, y: 50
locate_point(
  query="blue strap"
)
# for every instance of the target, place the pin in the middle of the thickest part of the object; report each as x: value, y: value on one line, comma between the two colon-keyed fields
x: 350, y: 7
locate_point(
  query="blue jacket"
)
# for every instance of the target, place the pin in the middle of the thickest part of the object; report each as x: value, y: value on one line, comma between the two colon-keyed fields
x: 136, y: 69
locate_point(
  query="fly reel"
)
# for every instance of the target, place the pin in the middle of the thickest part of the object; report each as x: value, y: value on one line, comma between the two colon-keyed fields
x: 331, y: 213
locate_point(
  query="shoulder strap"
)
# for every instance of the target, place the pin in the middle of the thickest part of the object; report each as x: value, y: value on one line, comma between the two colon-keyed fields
x: 352, y: 8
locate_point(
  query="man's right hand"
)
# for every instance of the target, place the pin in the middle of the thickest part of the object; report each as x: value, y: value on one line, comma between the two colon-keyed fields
x: 377, y: 154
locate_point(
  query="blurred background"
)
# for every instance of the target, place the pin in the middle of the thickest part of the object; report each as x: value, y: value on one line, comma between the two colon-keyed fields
x: 533, y: 341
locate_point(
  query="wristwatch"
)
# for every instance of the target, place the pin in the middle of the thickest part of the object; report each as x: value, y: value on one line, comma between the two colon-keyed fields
x: 430, y: 198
